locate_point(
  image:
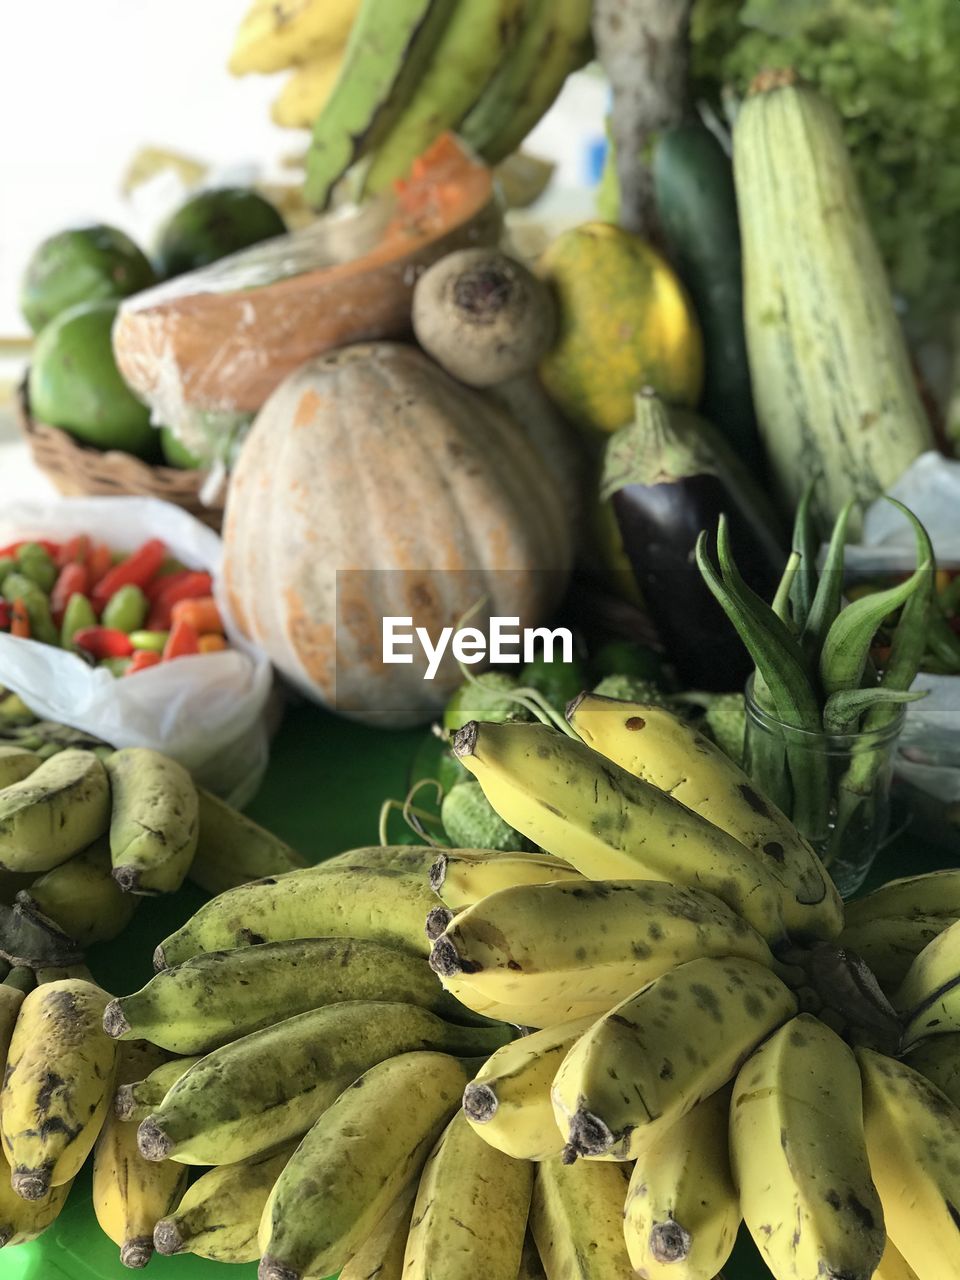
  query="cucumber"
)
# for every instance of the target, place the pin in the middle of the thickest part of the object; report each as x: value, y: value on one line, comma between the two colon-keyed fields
x: 697, y: 209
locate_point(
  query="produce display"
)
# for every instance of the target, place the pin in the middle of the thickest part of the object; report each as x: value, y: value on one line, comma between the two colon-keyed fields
x: 123, y: 612
x: 602, y: 1000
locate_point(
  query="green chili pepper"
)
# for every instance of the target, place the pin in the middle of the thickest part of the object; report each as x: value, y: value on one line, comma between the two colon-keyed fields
x: 77, y: 615
x: 126, y: 610
x: 36, y: 563
x: 153, y: 640
x: 18, y: 587
x: 7, y: 566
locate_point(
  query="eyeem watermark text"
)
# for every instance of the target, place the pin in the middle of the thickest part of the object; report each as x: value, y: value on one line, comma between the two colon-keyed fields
x: 506, y: 643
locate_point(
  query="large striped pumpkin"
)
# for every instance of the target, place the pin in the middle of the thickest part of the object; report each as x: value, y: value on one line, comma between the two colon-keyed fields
x: 371, y: 485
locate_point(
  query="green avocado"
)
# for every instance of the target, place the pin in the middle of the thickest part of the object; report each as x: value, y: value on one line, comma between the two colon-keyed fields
x: 213, y: 224
x: 176, y: 454
x: 75, y: 384
x: 88, y: 264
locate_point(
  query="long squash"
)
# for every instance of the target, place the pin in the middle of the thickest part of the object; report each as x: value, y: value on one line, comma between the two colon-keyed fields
x: 832, y: 382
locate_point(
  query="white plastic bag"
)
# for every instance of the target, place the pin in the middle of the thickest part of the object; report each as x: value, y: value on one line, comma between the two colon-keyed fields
x: 208, y: 711
x: 930, y: 745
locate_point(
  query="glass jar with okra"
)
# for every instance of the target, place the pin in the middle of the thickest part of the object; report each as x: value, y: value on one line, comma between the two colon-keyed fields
x: 822, y: 716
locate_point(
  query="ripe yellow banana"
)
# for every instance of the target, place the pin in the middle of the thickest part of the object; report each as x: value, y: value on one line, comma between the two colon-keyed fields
x: 219, y: 1216
x: 936, y: 893
x: 306, y: 90
x: 655, y: 1055
x: 219, y: 996
x: 471, y: 1211
x: 462, y: 877
x: 890, y: 944
x: 56, y: 811
x: 23, y: 1220
x: 913, y: 1132
x: 653, y: 744
x: 574, y: 803
x: 81, y: 897
x: 16, y: 763
x: 133, y: 1101
x: 800, y: 1159
x: 275, y: 34
x: 355, y: 1162
x: 57, y: 1085
x: 576, y: 1217
x: 935, y: 969
x: 550, y: 952
x: 318, y: 902
x: 232, y: 849
x: 682, y: 1211
x: 260, y: 1091
x: 130, y: 1194
x: 938, y: 1058
x: 380, y: 1257
x: 154, y: 822
x: 893, y: 1266
x: 508, y: 1100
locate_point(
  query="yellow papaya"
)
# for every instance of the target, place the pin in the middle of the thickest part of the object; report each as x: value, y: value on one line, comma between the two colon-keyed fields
x: 624, y: 322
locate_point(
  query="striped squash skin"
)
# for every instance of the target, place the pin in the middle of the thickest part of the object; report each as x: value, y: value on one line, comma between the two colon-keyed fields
x: 832, y: 381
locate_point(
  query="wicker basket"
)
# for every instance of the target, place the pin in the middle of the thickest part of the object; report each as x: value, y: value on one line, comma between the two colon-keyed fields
x: 79, y: 471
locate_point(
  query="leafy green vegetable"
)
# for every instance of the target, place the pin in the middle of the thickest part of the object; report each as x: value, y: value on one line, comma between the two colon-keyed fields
x: 890, y: 66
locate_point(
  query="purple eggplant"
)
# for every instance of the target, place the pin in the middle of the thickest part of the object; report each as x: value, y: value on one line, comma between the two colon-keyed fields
x: 668, y: 475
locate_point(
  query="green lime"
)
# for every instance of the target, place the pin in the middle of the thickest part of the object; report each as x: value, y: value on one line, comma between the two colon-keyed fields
x: 87, y: 264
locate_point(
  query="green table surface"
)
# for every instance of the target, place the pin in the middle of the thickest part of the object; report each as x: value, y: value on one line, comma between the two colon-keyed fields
x: 322, y: 793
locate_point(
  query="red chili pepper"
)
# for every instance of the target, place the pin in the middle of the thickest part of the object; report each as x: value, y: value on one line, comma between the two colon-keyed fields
x: 72, y: 580
x: 4, y: 615
x: 142, y: 659
x: 138, y: 568
x: 74, y: 551
x: 103, y: 642
x: 182, y: 641
x: 193, y: 586
x: 99, y: 562
x: 163, y: 581
x: 20, y: 620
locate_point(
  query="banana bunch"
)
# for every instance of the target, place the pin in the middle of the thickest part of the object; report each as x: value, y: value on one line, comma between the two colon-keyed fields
x: 379, y: 80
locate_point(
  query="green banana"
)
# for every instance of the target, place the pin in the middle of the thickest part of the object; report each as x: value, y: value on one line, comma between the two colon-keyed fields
x: 476, y: 37
x: 931, y: 976
x: 388, y: 50
x: 682, y: 1211
x: 134, y: 1100
x: 220, y: 1213
x: 232, y: 849
x: 81, y: 897
x: 379, y: 904
x: 938, y: 1059
x: 550, y: 952
x: 800, y: 1159
x: 554, y: 41
x: 154, y: 822
x: 380, y: 1257
x: 412, y: 859
x: 470, y: 1215
x: 219, y: 996
x: 59, y: 809
x: 913, y: 1133
x: 354, y: 1162
x: 576, y: 1217
x: 508, y: 1100
x: 259, y: 1091
x: 16, y: 763
x: 936, y: 893
x: 574, y: 803
x: 653, y: 1056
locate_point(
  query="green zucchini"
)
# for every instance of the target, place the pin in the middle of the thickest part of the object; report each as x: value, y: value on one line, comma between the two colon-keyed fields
x: 697, y: 211
x: 832, y: 381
